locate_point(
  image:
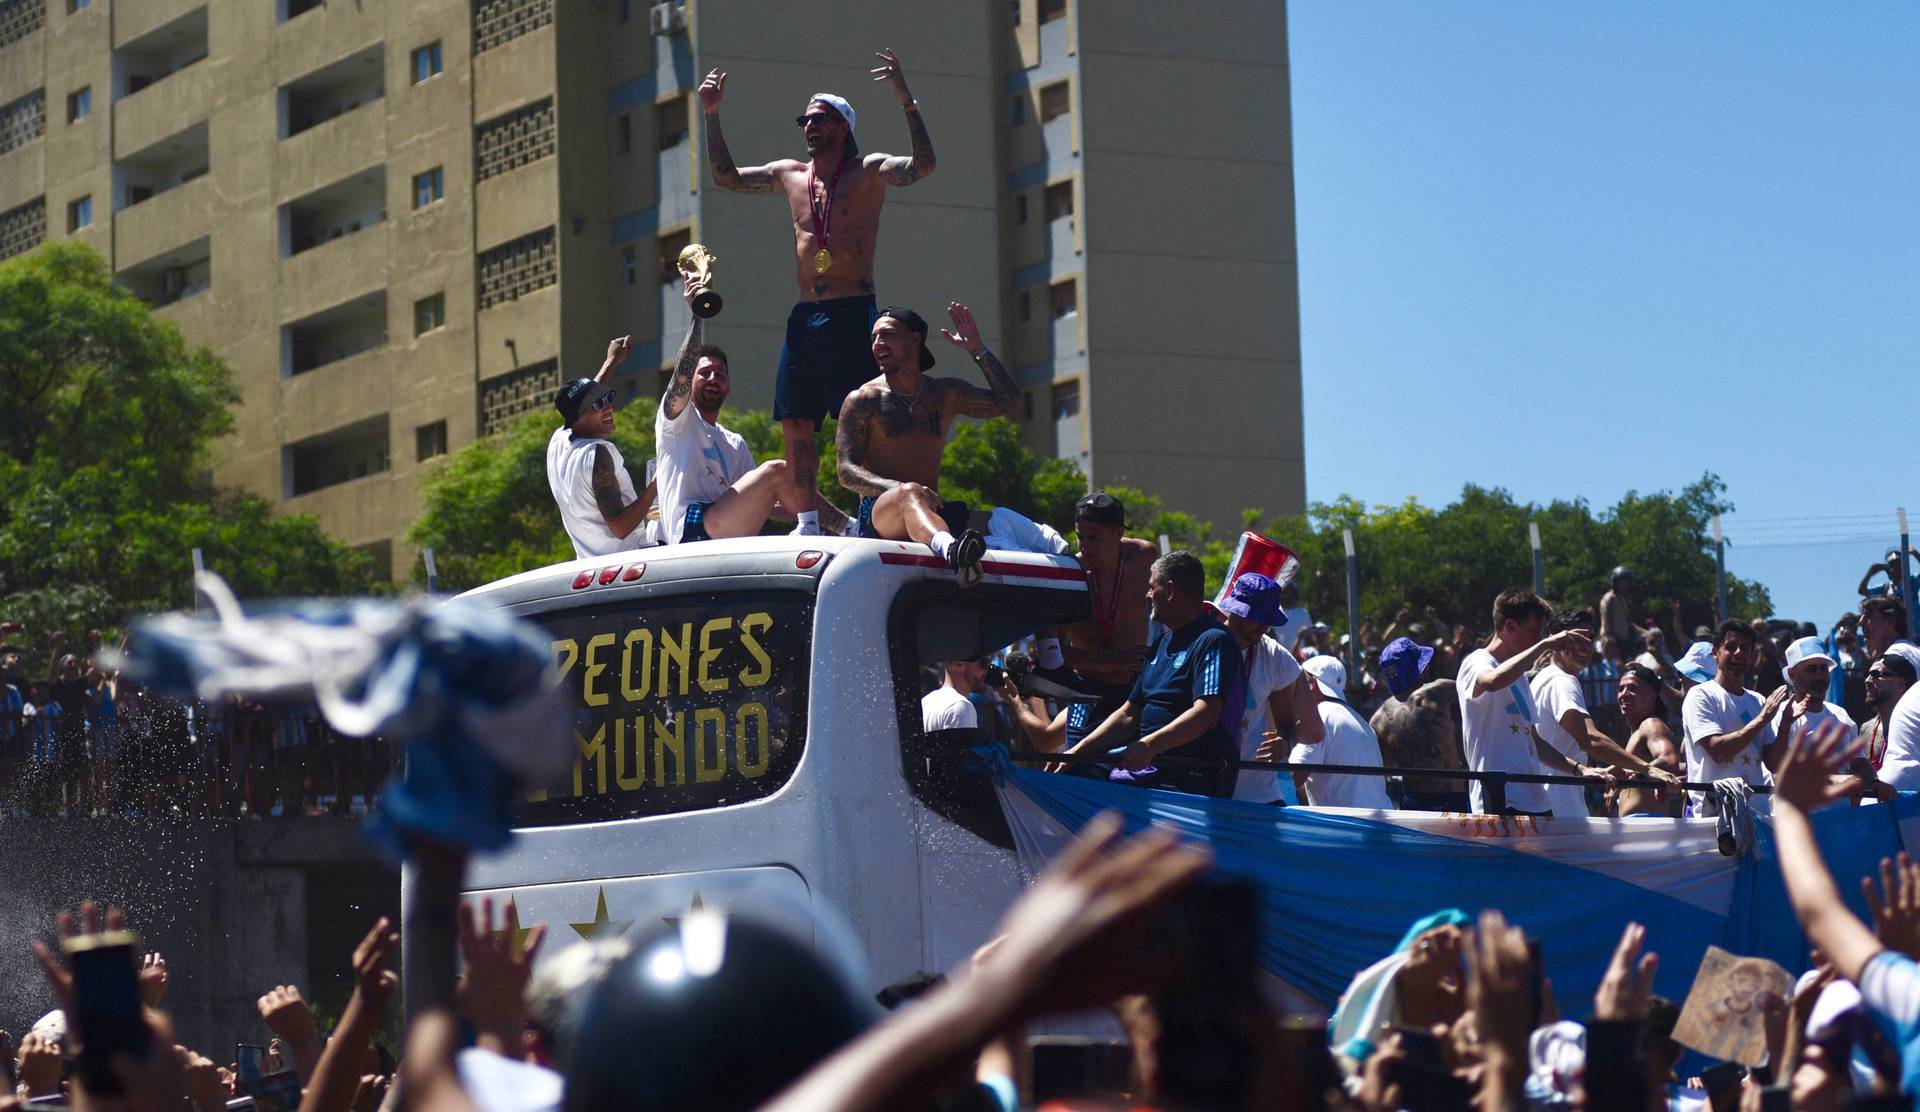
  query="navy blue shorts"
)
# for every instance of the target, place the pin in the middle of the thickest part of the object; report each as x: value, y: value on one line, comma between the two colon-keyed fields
x: 957, y: 515
x: 694, y: 526
x: 828, y: 354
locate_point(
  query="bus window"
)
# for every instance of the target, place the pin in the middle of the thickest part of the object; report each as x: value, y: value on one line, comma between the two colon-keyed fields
x: 681, y: 703
x: 936, y: 622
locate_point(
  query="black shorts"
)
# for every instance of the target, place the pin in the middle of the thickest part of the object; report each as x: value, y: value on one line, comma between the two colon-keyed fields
x: 694, y: 526
x: 828, y: 354
x: 957, y: 515
x: 1436, y: 801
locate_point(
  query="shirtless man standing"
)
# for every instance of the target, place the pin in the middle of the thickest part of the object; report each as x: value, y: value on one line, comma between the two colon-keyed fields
x: 893, y: 429
x: 835, y: 197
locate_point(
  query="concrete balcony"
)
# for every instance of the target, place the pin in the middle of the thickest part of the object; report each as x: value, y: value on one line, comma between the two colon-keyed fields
x: 317, y: 38
x: 163, y: 222
x: 1066, y: 336
x: 1062, y: 239
x: 162, y: 109
x: 357, y: 511
x: 1053, y: 41
x: 132, y: 22
x: 336, y: 395
x: 338, y: 457
x: 1057, y: 136
x: 336, y: 149
x: 334, y: 272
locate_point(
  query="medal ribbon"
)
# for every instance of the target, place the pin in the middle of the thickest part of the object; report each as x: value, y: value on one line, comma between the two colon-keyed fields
x: 823, y: 210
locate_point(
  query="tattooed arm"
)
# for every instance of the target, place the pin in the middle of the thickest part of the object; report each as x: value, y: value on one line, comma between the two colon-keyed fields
x: 680, y: 386
x: 621, y: 518
x: 905, y: 170
x: 726, y: 175
x: 850, y: 446
x: 1002, y: 395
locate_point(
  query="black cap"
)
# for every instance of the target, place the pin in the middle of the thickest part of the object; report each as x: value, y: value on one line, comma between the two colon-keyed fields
x: 573, y: 398
x: 912, y: 320
x: 1100, y: 508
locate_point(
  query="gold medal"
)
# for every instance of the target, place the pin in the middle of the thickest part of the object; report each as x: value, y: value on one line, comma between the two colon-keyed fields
x: 822, y: 261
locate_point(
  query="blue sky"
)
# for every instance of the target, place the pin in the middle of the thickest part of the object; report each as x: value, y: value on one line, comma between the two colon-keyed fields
x: 1576, y: 250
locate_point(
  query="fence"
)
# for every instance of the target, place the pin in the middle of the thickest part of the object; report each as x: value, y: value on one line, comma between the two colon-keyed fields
x: 158, y: 757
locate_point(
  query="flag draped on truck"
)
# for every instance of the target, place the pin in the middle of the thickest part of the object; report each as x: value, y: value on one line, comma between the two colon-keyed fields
x: 1340, y: 887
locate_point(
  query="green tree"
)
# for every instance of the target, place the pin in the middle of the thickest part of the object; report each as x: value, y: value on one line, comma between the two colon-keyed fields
x: 104, y: 436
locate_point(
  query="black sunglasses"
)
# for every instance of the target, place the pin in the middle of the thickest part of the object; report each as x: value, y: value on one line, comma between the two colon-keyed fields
x: 604, y: 401
x: 816, y: 118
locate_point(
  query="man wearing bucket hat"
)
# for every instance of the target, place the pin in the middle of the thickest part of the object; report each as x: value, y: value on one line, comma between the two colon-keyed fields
x: 588, y: 478
x: 1279, y: 709
x: 835, y: 198
x: 1419, y: 727
x: 1809, y: 669
x: 1347, y: 740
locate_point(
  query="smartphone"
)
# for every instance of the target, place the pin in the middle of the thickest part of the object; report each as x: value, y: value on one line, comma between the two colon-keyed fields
x: 242, y: 1104
x: 1426, y: 1084
x: 1778, y: 1098
x: 1722, y: 1080
x: 106, y: 1006
x: 1212, y: 1016
x: 271, y: 1092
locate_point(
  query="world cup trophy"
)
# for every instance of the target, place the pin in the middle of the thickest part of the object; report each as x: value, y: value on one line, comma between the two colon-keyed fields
x: 696, y: 262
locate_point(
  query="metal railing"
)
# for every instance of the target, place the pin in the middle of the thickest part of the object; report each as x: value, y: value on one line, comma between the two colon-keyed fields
x: 164, y: 758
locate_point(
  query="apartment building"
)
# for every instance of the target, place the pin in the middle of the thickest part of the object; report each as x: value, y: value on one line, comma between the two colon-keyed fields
x: 405, y: 223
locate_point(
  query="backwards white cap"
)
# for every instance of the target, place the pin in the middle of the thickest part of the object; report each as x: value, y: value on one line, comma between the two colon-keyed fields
x: 838, y: 104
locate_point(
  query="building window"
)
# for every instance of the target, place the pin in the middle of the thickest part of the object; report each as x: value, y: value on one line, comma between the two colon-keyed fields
x: 80, y: 104
x: 1026, y: 306
x: 1019, y: 208
x: 78, y: 6
x: 514, y: 139
x: 1055, y: 101
x: 429, y: 441
x: 672, y: 119
x: 623, y: 130
x: 1067, y: 436
x: 24, y: 228
x: 504, y: 398
x: 24, y: 120
x: 499, y: 21
x: 1059, y: 201
x: 1051, y: 10
x: 426, y: 62
x: 1017, y: 110
x: 671, y: 245
x: 291, y: 8
x: 20, y: 18
x: 1063, y: 298
x: 517, y: 268
x: 428, y: 187
x: 629, y: 267
x: 79, y: 213
x: 429, y: 313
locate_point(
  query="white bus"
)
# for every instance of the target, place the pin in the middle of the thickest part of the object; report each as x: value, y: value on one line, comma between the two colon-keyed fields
x: 748, y: 721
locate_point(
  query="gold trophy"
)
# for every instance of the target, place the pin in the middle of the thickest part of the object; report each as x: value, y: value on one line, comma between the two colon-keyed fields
x: 696, y: 262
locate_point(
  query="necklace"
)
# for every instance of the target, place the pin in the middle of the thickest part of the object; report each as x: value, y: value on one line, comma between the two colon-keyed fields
x: 910, y: 399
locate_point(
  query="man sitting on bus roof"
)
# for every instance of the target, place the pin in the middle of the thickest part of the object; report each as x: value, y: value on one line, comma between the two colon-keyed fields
x: 710, y: 487
x: 589, y: 480
x: 893, y: 429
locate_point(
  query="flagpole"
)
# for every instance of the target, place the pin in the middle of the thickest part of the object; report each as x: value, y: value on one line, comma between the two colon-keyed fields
x: 1353, y: 608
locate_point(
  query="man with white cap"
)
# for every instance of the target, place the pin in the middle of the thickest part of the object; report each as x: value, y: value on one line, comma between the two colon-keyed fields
x: 1808, y: 670
x: 1348, y: 741
x: 835, y: 197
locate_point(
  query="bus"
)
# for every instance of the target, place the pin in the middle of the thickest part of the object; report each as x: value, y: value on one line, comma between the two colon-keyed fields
x: 747, y: 718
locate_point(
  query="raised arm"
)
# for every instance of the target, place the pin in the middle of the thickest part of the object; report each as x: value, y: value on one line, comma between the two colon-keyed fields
x: 617, y: 349
x: 622, y: 517
x: 850, y: 446
x: 726, y: 175
x: 1515, y: 666
x: 680, y: 387
x: 893, y: 168
x: 1002, y: 395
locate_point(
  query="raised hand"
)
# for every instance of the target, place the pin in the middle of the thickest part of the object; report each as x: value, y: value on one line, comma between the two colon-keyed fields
x: 90, y: 921
x: 1568, y: 639
x: 1500, y: 992
x: 369, y: 1093
x: 288, y: 1016
x: 712, y: 90
x: 1803, y: 778
x: 39, y: 1065
x: 889, y: 70
x: 1896, y: 916
x: 1627, y: 985
x: 618, y: 349
x: 965, y: 334
x: 370, y: 973
x: 492, y: 996
x: 153, y: 978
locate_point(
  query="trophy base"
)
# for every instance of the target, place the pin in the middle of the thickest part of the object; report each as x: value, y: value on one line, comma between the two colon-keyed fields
x: 706, y: 304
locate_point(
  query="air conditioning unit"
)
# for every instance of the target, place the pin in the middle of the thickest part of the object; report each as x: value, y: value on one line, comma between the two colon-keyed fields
x: 173, y: 280
x: 668, y: 19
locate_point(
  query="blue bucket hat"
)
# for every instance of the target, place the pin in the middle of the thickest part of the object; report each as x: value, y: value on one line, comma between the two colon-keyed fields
x: 1402, y: 662
x: 1256, y: 598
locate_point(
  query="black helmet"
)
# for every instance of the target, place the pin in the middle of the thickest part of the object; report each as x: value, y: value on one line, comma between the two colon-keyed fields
x: 1621, y: 573
x: 715, y: 1012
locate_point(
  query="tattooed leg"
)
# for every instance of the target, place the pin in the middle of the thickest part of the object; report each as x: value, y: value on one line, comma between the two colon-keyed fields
x: 803, y: 465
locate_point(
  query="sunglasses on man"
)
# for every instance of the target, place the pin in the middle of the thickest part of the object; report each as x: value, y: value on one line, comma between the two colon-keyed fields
x: 816, y: 118
x: 604, y: 401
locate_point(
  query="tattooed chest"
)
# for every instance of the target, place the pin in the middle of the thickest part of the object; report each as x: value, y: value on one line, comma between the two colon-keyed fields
x: 920, y: 417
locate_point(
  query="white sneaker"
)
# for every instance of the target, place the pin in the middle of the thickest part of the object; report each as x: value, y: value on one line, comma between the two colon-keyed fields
x: 807, y: 529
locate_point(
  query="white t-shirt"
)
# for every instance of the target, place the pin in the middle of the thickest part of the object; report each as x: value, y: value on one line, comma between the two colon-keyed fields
x: 698, y: 461
x: 943, y: 708
x: 1496, y: 731
x: 1555, y: 692
x: 1709, y: 710
x: 1273, y: 669
x: 1828, y: 710
x: 1350, y: 741
x: 1901, y: 766
x: 570, y: 478
x: 1298, y: 622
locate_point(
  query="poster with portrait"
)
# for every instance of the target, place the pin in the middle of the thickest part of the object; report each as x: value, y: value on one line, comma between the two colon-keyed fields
x: 1724, y: 1016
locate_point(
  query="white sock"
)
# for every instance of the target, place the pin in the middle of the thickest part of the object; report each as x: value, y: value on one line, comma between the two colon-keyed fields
x: 1046, y: 653
x: 809, y: 518
x: 1026, y: 534
x: 942, y: 544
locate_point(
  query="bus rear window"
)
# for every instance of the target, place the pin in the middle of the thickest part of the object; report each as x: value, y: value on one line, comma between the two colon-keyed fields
x: 681, y: 703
